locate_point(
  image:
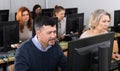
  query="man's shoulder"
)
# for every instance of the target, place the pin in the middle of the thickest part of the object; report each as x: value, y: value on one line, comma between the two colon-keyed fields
x: 57, y: 47
x: 25, y: 44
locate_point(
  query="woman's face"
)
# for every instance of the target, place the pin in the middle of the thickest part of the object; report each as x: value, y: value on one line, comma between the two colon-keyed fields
x: 103, y: 23
x: 38, y: 10
x: 25, y: 16
x: 60, y: 15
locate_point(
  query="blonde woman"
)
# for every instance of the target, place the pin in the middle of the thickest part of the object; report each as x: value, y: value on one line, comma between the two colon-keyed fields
x: 98, y: 24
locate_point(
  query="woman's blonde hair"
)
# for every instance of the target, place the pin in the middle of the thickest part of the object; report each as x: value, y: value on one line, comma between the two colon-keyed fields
x: 96, y: 16
x: 20, y: 20
x: 57, y: 9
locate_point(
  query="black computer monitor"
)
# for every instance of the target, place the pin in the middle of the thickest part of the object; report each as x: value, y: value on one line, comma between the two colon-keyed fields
x: 15, y: 15
x: 116, y: 21
x: 117, y: 18
x: 1, y: 36
x: 74, y: 23
x: 56, y: 21
x: 4, y: 15
x: 47, y: 12
x: 71, y: 11
x: 91, y: 54
x: 9, y: 34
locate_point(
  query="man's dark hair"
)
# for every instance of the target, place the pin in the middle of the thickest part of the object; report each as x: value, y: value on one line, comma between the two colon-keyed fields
x: 41, y: 21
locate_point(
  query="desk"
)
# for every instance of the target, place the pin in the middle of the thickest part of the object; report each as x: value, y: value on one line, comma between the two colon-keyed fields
x: 10, y: 59
x: 117, y: 35
x: 7, y: 58
x: 64, y: 46
x: 4, y: 63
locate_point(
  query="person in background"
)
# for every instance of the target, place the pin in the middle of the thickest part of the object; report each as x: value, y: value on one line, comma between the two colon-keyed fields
x: 25, y: 23
x: 98, y: 24
x: 36, y: 11
x: 59, y: 12
x: 42, y: 52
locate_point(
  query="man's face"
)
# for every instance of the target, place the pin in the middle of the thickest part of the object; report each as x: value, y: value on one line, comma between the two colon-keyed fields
x: 47, y: 35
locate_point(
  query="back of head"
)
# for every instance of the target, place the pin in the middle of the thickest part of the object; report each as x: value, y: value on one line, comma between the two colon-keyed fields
x: 96, y: 16
x: 57, y: 9
x: 41, y: 21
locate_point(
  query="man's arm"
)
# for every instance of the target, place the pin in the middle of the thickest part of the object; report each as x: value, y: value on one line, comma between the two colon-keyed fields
x: 21, y: 61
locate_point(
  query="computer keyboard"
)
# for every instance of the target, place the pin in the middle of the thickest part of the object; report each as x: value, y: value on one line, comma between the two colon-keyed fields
x: 114, y: 65
x: 7, y: 54
x: 2, y: 56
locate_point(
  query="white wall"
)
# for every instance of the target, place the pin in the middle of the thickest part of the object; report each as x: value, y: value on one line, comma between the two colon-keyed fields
x: 13, y: 5
x: 87, y: 6
x: 4, y: 4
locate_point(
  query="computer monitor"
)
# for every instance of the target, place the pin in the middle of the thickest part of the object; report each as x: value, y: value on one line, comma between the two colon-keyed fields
x: 47, y: 12
x: 91, y: 54
x: 71, y: 11
x: 116, y: 21
x: 74, y: 23
x: 4, y: 15
x: 1, y: 36
x: 15, y: 15
x: 56, y: 21
x: 9, y: 35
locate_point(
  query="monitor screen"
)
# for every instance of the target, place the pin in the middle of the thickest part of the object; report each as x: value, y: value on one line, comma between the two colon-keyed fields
x: 4, y: 15
x: 1, y: 36
x: 74, y: 23
x: 48, y: 12
x: 91, y: 54
x: 116, y: 21
x: 117, y: 18
x: 10, y: 34
x: 71, y: 11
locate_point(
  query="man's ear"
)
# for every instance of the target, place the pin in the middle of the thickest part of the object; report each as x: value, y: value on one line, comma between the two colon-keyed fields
x: 37, y: 32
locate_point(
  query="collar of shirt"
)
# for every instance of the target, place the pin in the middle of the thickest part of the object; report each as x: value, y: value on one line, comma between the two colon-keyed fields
x: 38, y: 45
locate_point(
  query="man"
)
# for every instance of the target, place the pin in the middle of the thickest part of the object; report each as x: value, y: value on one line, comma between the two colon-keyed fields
x: 42, y: 52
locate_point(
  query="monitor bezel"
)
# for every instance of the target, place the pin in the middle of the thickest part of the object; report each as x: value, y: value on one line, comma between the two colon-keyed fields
x: 6, y: 16
x: 86, y: 42
x: 80, y: 18
x: 7, y: 37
